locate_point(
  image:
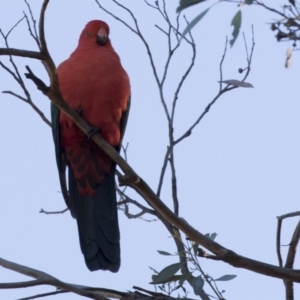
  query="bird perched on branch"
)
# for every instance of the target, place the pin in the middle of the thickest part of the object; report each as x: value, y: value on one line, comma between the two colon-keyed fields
x: 93, y: 82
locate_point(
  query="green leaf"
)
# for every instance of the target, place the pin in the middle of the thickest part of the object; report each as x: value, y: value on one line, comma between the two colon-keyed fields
x: 194, y: 22
x: 187, y: 3
x: 225, y: 278
x: 184, y: 278
x: 237, y: 83
x: 166, y: 273
x: 172, y: 278
x: 153, y: 270
x: 292, y: 2
x: 163, y: 252
x: 213, y: 236
x: 236, y: 23
x: 198, y: 284
x: 249, y: 2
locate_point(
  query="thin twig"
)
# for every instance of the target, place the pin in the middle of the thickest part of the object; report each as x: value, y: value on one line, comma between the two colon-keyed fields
x: 16, y: 74
x: 162, y: 172
x: 49, y: 279
x: 44, y: 295
x: 126, y: 200
x: 42, y: 211
x: 221, y: 63
x: 278, y: 242
x: 289, y: 286
x: 33, y: 34
x: 221, y: 92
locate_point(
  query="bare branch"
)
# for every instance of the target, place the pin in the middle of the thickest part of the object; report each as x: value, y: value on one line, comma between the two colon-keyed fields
x: 127, y: 200
x: 221, y: 63
x: 28, y: 101
x: 293, y: 214
x: 44, y: 295
x: 42, y: 211
x: 34, y: 32
x: 221, y: 92
x: 289, y: 289
x: 162, y: 173
x: 23, y: 284
x: 21, y: 53
x: 50, y: 280
x: 289, y: 286
x: 278, y: 243
x: 269, y: 8
x: 15, y: 95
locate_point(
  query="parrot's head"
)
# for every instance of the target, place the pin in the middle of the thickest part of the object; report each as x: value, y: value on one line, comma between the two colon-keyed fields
x: 95, y: 32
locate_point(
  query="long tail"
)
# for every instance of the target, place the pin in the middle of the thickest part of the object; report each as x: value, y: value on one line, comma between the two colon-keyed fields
x: 97, y: 221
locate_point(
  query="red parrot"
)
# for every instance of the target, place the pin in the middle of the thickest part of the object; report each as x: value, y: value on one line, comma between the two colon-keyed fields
x: 93, y: 82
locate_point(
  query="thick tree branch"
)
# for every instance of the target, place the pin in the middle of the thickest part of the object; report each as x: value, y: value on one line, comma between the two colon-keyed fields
x: 43, y: 278
x: 23, y: 284
x: 48, y: 279
x: 289, y: 286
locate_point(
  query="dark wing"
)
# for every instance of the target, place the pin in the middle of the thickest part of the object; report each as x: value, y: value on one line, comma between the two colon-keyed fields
x: 59, y: 152
x: 124, y: 118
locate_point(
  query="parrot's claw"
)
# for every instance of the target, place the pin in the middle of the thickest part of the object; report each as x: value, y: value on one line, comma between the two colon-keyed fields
x: 93, y: 130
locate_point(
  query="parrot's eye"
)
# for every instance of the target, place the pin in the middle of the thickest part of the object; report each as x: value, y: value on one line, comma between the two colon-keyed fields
x: 87, y: 33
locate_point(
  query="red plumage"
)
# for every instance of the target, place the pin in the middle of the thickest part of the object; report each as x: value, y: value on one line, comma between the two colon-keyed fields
x: 93, y: 82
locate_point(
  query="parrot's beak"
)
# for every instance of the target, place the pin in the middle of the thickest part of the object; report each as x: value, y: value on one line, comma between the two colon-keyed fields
x: 101, y: 37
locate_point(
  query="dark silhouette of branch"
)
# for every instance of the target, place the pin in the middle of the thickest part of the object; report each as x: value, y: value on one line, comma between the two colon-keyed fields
x: 23, y: 284
x: 42, y: 211
x: 49, y: 280
x: 43, y: 278
x: 226, y: 89
x: 32, y: 31
x: 127, y: 200
x: 14, y: 72
x: 162, y: 173
x: 44, y: 295
x: 289, y: 289
x: 21, y: 53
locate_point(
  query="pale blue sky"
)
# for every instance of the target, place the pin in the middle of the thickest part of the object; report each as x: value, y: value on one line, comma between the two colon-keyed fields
x: 238, y: 170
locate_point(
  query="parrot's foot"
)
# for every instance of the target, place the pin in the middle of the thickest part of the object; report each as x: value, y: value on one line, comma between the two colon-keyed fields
x: 93, y: 130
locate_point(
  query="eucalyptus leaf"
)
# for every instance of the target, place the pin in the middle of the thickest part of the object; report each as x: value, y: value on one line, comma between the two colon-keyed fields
x: 187, y: 3
x: 153, y: 270
x: 236, y: 23
x: 238, y: 83
x: 170, y: 279
x: 166, y: 273
x: 213, y: 236
x: 225, y: 278
x: 198, y: 284
x: 184, y: 277
x: 292, y: 2
x: 194, y: 22
x: 163, y: 252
